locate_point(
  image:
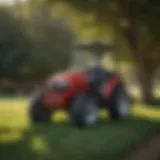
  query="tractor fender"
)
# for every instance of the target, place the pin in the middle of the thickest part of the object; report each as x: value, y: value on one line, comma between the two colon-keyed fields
x: 110, y: 85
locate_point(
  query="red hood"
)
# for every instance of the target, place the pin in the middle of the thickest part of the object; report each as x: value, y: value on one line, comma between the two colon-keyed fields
x: 68, y: 75
x: 78, y: 83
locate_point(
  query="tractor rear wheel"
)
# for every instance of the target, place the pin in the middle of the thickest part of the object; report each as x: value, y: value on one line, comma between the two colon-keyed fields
x: 120, y: 105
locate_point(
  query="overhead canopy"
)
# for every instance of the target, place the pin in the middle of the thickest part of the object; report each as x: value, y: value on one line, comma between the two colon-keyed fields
x: 91, y: 53
x: 97, y: 47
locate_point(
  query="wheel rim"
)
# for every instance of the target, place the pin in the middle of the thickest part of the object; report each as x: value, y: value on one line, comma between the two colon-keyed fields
x: 91, y: 114
x: 124, y: 106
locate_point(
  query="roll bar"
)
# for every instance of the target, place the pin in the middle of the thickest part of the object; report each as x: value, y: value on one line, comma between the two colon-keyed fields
x: 97, y: 47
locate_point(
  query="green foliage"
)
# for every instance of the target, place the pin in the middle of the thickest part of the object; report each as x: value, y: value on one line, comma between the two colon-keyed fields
x: 13, y: 44
x: 52, y: 45
x: 33, y: 48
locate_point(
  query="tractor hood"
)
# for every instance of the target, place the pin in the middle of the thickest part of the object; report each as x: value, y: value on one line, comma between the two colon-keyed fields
x: 63, y: 86
x: 68, y: 76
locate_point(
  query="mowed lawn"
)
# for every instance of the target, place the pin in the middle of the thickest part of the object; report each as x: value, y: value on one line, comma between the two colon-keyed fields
x: 19, y: 140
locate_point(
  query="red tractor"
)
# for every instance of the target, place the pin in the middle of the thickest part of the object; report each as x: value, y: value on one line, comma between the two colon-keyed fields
x: 83, y: 92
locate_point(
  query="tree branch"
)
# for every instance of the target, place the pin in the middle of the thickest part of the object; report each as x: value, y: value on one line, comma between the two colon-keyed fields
x: 129, y: 30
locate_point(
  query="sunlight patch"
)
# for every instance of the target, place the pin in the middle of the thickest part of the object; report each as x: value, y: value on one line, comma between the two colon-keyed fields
x: 9, y: 137
x: 144, y: 112
x: 39, y: 145
x: 103, y: 114
x: 60, y: 116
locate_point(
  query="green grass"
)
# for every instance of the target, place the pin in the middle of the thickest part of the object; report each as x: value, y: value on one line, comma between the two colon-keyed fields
x: 61, y: 142
x: 19, y: 140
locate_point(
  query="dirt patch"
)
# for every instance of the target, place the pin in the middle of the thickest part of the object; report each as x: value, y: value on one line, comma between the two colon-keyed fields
x: 147, y: 151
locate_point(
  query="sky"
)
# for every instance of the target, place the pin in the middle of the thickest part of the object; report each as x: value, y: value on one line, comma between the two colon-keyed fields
x: 8, y: 1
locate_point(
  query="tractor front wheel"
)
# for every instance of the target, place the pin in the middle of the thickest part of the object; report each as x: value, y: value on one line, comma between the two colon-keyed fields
x: 37, y: 112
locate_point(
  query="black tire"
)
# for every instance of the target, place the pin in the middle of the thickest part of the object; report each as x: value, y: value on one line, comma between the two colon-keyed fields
x: 37, y: 112
x: 120, y: 104
x: 81, y: 104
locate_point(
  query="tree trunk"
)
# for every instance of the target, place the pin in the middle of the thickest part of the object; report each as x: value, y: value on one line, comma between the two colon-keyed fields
x: 146, y: 84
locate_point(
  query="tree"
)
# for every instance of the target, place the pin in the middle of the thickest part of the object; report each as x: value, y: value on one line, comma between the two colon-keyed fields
x: 14, y: 45
x: 138, y: 22
x: 51, y: 43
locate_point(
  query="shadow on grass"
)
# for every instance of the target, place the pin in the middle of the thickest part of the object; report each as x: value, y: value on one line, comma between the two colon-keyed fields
x: 156, y: 103
x: 64, y: 142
